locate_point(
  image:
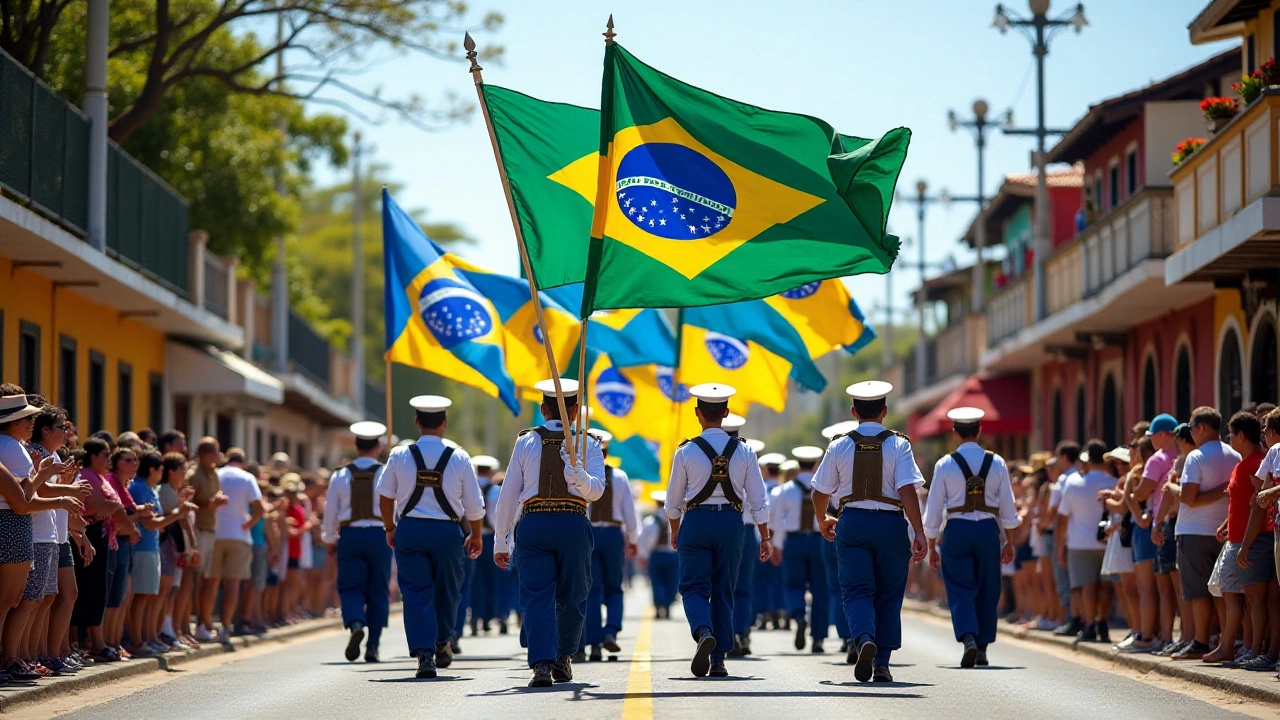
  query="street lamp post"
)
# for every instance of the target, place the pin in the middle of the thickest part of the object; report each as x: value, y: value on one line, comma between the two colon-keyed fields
x: 921, y: 199
x: 980, y: 126
x: 1039, y: 29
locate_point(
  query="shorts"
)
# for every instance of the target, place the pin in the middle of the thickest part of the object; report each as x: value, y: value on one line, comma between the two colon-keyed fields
x: 1143, y: 548
x: 1197, y: 556
x: 15, y: 537
x: 1262, y: 564
x: 66, y: 556
x: 319, y: 555
x: 43, y: 578
x: 1023, y: 555
x: 146, y: 572
x: 1167, y: 560
x: 1084, y: 567
x: 230, y: 560
x: 118, y: 576
x: 1226, y: 572
x: 293, y: 563
x: 204, y: 544
x: 259, y: 569
x: 1047, y: 546
x: 169, y: 560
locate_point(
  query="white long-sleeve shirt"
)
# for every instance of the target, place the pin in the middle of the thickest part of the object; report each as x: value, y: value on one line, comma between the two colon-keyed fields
x: 624, y: 506
x: 950, y: 486
x: 785, y: 507
x: 650, y: 532
x: 691, y: 470
x: 521, y: 482
x: 459, y: 482
x: 491, y: 504
x: 835, y: 474
x: 337, y: 506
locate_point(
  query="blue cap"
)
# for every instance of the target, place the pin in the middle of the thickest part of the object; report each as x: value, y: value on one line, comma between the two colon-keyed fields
x: 1164, y: 422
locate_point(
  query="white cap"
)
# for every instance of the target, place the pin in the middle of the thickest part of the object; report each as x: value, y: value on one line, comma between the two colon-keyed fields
x: 840, y: 428
x: 869, y: 390
x: 604, y: 436
x: 449, y: 443
x: 733, y: 421
x: 755, y: 445
x: 789, y: 465
x: 407, y: 442
x: 280, y: 458
x: 548, y: 387
x: 430, y: 403
x: 807, y: 453
x: 713, y: 392
x: 658, y: 496
x: 965, y: 415
x: 772, y: 458
x: 486, y: 462
x: 368, y: 430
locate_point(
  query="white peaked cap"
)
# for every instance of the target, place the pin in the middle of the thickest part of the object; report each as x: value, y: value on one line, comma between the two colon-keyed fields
x: 869, y: 390
x: 368, y: 430
x: 755, y: 445
x: 449, y: 443
x: 548, y: 387
x: 486, y: 462
x: 659, y: 496
x: 431, y: 403
x: 604, y: 436
x: 772, y: 458
x: 965, y: 415
x: 733, y: 421
x: 839, y: 428
x: 807, y: 453
x: 713, y: 392
x: 789, y: 465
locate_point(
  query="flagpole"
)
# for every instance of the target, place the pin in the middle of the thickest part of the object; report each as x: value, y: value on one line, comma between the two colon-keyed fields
x: 472, y: 55
x: 675, y: 380
x: 583, y: 422
x: 390, y: 429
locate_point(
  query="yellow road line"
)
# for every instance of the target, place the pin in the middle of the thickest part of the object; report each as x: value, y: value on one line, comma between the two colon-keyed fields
x: 638, y: 704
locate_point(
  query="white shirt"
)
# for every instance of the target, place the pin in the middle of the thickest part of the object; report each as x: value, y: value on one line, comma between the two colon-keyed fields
x: 786, y: 504
x: 650, y: 531
x: 16, y: 460
x: 461, y: 489
x: 491, y: 504
x: 624, y: 506
x: 1270, y: 464
x: 950, y: 486
x: 337, y: 506
x: 521, y: 482
x: 1082, y: 508
x: 899, y: 470
x: 242, y: 491
x: 47, y: 526
x: 1208, y: 466
x: 691, y: 471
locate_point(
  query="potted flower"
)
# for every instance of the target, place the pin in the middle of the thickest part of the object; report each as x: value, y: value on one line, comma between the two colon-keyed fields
x: 1218, y: 111
x: 1184, y: 149
x: 1249, y: 88
x: 1269, y: 73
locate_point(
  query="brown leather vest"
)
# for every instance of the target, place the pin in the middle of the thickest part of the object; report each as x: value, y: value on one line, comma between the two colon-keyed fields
x: 362, y: 493
x: 975, y: 486
x: 551, y: 482
x: 868, y: 469
x: 602, y: 510
x: 806, y: 507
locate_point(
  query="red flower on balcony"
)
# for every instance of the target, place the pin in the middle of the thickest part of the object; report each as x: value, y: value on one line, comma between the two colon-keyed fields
x: 1000, y: 278
x: 1184, y: 149
x: 1218, y: 108
x: 1268, y: 72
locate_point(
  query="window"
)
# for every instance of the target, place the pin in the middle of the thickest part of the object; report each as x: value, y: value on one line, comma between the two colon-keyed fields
x: 182, y: 417
x: 68, y: 366
x: 155, y: 401
x: 302, y: 456
x: 1082, y: 431
x: 1113, y: 178
x: 1182, y: 385
x: 124, y: 397
x: 257, y: 444
x: 97, y: 393
x: 1057, y: 416
x: 1230, y: 376
x: 284, y: 445
x: 1097, y: 192
x: 1131, y: 172
x: 1262, y: 363
x: 1110, y: 412
x: 274, y: 444
x: 29, y: 357
x: 222, y: 430
x: 1149, y: 389
x: 1250, y: 55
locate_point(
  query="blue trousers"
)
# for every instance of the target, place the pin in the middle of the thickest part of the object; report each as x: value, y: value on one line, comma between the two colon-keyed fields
x: 464, y: 596
x: 710, y: 549
x: 429, y: 562
x: 743, y: 608
x: 874, y: 555
x: 606, y: 585
x: 830, y: 559
x: 764, y: 594
x: 364, y: 579
x: 664, y: 575
x: 484, y: 584
x: 971, y: 572
x: 555, y: 577
x: 803, y: 569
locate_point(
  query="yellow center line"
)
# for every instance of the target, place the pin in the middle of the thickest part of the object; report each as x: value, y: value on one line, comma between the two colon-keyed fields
x: 638, y: 704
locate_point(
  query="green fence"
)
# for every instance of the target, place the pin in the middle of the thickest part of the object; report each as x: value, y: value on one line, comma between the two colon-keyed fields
x: 147, y: 221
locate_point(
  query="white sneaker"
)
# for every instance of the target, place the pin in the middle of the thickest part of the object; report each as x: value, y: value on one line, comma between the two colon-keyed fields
x: 203, y: 635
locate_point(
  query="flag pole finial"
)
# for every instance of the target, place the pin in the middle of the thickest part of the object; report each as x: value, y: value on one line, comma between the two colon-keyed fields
x: 470, y: 45
x: 609, y: 34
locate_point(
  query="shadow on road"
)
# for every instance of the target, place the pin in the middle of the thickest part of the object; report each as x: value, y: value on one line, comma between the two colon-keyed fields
x: 573, y: 687
x: 744, y: 695
x: 439, y: 678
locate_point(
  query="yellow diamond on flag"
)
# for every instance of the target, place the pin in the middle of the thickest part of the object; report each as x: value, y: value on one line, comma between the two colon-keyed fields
x: 679, y: 202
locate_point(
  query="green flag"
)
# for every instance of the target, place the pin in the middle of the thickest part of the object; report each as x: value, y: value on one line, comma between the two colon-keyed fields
x: 537, y: 141
x: 703, y: 200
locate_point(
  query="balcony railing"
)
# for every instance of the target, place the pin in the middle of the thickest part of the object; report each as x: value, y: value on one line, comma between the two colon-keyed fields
x: 216, y: 298
x: 1009, y: 311
x: 308, y: 351
x: 1232, y: 169
x: 930, y: 365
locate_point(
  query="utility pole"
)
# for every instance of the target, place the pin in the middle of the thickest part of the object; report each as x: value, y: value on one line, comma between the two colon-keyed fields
x: 921, y: 199
x: 980, y: 126
x: 357, y: 282
x: 280, y: 271
x: 95, y: 106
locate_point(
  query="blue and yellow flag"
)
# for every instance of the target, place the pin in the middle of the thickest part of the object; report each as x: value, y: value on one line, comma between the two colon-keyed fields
x: 629, y: 337
x: 759, y: 376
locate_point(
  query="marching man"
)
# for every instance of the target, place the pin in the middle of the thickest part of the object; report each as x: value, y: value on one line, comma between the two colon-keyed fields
x: 655, y: 552
x: 553, y: 543
x: 614, y: 531
x: 873, y: 473
x: 433, y: 532
x: 972, y: 493
x: 795, y: 525
x: 713, y: 477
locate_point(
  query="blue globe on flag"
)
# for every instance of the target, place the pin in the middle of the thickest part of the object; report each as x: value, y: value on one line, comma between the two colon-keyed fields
x: 666, y: 383
x: 537, y: 334
x: 453, y: 312
x: 729, y: 353
x: 674, y: 192
x: 615, y: 393
x: 803, y: 291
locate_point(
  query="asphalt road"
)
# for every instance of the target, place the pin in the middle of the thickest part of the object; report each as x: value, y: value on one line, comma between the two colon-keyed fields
x: 311, y: 680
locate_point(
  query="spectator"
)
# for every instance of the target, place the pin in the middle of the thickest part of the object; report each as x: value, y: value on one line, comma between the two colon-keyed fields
x: 277, y: 530
x: 148, y: 437
x: 123, y: 466
x: 172, y: 441
x: 177, y: 552
x: 232, y: 560
x: 208, y: 498
x: 299, y: 527
x: 1066, y: 459
x: 1248, y: 568
x: 1080, y: 546
x: 1156, y: 601
x: 1163, y: 535
x: 145, y: 608
x: 97, y: 563
x: 1202, y: 493
x: 251, y: 618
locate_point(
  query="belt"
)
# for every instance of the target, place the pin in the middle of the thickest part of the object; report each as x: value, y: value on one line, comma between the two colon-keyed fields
x: 554, y: 507
x: 610, y: 523
x: 879, y: 510
x: 719, y: 507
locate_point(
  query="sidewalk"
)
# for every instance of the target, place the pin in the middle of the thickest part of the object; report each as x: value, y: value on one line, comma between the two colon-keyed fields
x: 1253, y: 685
x: 11, y: 695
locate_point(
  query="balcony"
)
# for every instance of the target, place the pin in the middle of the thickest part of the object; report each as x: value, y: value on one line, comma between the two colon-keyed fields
x: 1009, y: 311
x: 308, y: 351
x: 952, y: 357
x: 1227, y: 216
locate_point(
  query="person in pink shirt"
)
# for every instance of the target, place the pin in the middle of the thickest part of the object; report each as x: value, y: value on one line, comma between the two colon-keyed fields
x: 1143, y: 502
x: 102, y: 508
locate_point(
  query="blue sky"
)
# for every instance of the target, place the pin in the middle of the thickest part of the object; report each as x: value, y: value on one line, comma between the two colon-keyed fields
x: 865, y: 66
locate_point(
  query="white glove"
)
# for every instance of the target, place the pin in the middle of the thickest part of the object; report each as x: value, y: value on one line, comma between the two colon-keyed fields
x: 574, y: 475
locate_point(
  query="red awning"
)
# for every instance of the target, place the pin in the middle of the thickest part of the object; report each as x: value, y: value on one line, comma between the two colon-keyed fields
x: 1005, y: 398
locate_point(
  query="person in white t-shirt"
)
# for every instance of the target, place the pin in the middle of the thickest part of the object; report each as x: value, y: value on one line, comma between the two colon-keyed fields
x: 1079, y: 548
x: 1065, y: 465
x: 232, y: 560
x: 1269, y: 470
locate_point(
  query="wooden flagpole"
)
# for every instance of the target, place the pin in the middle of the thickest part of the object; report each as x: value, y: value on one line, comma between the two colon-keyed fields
x: 583, y: 422
x: 390, y: 424
x: 473, y: 56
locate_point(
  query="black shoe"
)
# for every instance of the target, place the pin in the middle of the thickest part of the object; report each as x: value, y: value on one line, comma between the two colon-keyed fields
x: 863, y: 658
x: 970, y: 652
x: 718, y: 669
x: 746, y: 644
x: 1070, y: 628
x: 1088, y: 634
x: 702, y: 657
x: 777, y: 621
x: 502, y: 627
x: 486, y: 627
x: 762, y: 622
x: 981, y: 660
x: 579, y: 657
x: 444, y: 655
x: 595, y: 656
x: 455, y: 648
x: 541, y: 675
x: 844, y: 646
x: 816, y: 648
x: 881, y: 674
x: 1104, y: 632
x: 611, y: 644
x: 801, y: 626
x: 737, y: 647
x: 562, y: 669
x: 371, y: 654
x: 426, y: 668
x: 353, y: 644
x: 475, y: 627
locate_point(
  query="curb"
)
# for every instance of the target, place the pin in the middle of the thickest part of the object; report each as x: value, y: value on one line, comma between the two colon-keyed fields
x: 1201, y: 675
x: 92, y: 677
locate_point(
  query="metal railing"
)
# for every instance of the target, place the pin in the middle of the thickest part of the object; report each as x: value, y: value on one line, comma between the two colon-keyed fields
x: 930, y: 366
x: 1009, y: 311
x: 147, y: 221
x: 308, y: 351
x: 216, y: 300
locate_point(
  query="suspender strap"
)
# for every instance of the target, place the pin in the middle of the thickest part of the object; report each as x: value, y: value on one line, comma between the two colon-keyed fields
x: 719, y: 474
x: 602, y: 509
x: 363, y: 493
x: 433, y: 479
x: 806, y: 507
x: 868, y: 469
x: 975, y: 486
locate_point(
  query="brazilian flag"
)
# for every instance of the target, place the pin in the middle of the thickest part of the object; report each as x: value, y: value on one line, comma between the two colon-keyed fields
x: 700, y: 200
